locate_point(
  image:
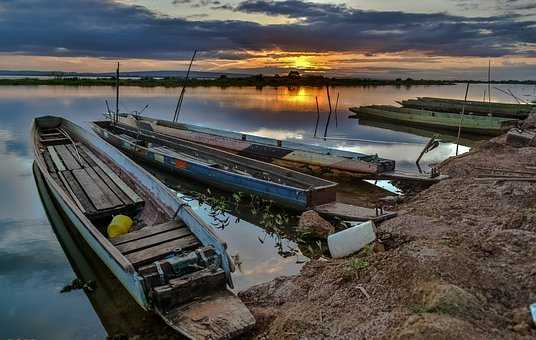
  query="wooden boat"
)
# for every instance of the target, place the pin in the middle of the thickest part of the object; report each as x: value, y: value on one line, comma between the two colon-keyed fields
x: 172, y: 262
x: 307, y: 158
x: 506, y: 110
x: 219, y: 168
x: 473, y: 124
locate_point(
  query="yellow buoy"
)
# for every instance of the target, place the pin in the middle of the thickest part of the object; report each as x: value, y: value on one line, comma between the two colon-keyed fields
x: 120, y: 225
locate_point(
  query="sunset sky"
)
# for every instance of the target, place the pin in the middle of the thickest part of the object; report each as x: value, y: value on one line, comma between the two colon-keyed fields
x: 382, y: 39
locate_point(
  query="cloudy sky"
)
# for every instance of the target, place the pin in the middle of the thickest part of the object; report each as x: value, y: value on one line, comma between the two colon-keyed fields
x: 385, y: 39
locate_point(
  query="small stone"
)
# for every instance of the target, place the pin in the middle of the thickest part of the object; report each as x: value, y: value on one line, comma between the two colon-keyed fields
x: 313, y: 224
x: 378, y: 247
x: 522, y: 328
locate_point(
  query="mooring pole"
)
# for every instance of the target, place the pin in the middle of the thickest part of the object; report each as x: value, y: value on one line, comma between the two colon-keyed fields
x: 116, y: 120
x: 317, y: 115
x: 329, y: 116
x: 336, y: 113
x: 461, y: 119
x: 181, y: 96
x: 489, y: 86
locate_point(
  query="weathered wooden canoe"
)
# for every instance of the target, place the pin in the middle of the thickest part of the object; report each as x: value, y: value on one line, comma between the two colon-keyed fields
x: 219, y: 168
x: 473, y: 124
x: 172, y: 262
x: 298, y: 156
x: 506, y: 110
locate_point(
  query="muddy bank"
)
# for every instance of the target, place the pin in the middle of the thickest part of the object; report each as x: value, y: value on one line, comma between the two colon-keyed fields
x: 458, y: 261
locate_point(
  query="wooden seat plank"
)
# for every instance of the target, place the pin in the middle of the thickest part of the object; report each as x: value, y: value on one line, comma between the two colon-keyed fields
x: 75, y: 152
x: 147, y: 231
x: 118, y: 181
x: 156, y: 252
x: 115, y: 189
x: 153, y: 240
x: 68, y: 159
x: 77, y: 193
x: 54, y: 141
x: 56, y: 159
x: 97, y: 197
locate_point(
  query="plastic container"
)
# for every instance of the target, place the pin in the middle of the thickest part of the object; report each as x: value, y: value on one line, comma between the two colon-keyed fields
x: 120, y: 225
x: 351, y: 240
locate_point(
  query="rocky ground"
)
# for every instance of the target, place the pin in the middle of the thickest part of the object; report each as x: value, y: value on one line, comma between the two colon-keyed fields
x: 459, y: 261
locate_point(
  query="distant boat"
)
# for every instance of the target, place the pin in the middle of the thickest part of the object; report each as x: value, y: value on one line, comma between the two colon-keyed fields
x: 172, y: 262
x: 506, y: 110
x: 219, y: 168
x: 470, y: 123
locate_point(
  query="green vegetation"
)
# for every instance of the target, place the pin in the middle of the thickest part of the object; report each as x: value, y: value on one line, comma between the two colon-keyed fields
x: 293, y: 79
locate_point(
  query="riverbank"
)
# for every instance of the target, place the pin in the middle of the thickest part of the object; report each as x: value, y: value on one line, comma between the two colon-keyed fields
x: 223, y: 81
x: 458, y: 262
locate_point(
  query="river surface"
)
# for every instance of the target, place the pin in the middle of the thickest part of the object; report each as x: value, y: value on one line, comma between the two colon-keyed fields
x: 33, y: 265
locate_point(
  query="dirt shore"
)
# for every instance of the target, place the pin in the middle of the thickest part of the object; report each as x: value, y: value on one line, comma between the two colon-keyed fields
x: 458, y: 262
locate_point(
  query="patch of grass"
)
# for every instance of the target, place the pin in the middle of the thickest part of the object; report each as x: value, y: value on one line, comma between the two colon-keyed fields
x: 358, y: 264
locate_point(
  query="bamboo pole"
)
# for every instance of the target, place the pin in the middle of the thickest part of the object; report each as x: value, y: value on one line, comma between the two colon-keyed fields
x: 181, y: 96
x: 461, y: 119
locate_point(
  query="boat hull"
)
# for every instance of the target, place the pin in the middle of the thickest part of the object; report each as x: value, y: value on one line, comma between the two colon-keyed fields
x: 293, y: 197
x: 471, y: 124
x: 298, y: 156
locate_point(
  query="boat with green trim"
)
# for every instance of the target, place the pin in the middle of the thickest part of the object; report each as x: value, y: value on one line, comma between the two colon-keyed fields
x: 493, y: 126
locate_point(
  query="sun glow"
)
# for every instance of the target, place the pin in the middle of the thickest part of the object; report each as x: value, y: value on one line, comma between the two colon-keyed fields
x: 302, y: 62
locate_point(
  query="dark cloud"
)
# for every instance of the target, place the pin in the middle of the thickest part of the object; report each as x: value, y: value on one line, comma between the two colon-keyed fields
x: 108, y: 29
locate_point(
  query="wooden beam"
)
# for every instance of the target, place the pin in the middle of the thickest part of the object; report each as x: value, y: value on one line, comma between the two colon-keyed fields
x: 97, y: 197
x: 56, y: 159
x: 156, y: 252
x: 147, y: 231
x: 68, y: 159
x: 153, y: 240
x: 118, y: 181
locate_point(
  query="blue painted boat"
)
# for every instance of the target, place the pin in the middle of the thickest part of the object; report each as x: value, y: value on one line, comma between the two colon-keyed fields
x: 171, y: 262
x: 219, y: 168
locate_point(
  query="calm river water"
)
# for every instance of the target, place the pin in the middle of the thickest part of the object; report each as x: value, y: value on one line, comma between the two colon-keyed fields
x: 33, y: 265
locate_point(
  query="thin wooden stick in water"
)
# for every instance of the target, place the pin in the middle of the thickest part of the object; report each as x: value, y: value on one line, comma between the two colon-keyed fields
x: 329, y: 116
x: 317, y: 115
x: 461, y: 119
x: 489, y: 86
x: 116, y: 120
x: 336, y: 114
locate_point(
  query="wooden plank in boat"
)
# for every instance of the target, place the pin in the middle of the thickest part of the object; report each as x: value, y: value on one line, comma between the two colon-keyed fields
x: 118, y: 181
x: 98, y: 198
x: 353, y: 212
x: 56, y: 159
x: 68, y: 159
x: 54, y: 141
x: 147, y: 231
x: 153, y: 253
x: 153, y: 240
x: 77, y: 155
x: 115, y: 201
x: 76, y: 192
x: 115, y: 189
x: 84, y: 155
x: 48, y: 161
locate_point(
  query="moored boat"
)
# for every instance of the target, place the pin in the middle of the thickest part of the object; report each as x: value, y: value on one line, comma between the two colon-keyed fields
x: 301, y: 157
x: 171, y: 262
x: 469, y: 123
x: 219, y: 168
x: 505, y: 110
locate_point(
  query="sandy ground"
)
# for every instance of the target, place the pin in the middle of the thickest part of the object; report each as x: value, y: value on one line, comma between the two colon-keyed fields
x: 458, y: 262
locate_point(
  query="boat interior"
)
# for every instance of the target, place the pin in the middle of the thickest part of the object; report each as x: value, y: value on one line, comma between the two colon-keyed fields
x: 173, y: 263
x: 208, y: 156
